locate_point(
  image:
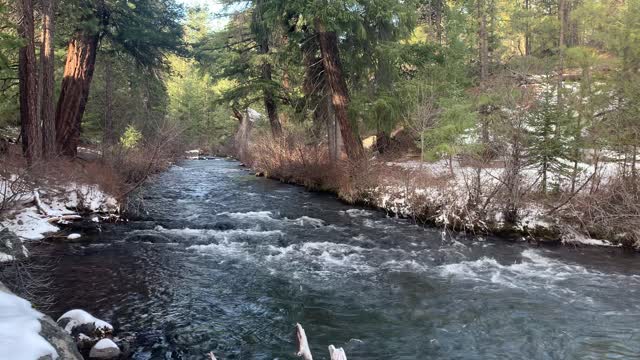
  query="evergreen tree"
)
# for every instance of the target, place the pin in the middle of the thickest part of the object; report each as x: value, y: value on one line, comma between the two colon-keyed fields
x: 146, y: 30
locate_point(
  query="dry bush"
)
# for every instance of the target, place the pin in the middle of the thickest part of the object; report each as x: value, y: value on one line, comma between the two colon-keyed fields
x: 291, y: 159
x: 133, y: 166
x: 613, y: 213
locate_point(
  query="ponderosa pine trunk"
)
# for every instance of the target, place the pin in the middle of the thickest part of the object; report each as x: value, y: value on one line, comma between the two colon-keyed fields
x: 561, y: 45
x: 78, y: 72
x: 527, y: 32
x: 339, y: 93
x: 109, y: 134
x: 270, y: 102
x: 262, y: 34
x: 27, y: 73
x: 47, y: 81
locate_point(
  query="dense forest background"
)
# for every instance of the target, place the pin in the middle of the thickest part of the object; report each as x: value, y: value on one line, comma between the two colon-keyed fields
x: 547, y: 91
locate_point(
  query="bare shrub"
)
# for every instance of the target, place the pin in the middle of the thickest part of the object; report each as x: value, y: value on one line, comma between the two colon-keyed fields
x: 613, y: 213
x: 291, y: 159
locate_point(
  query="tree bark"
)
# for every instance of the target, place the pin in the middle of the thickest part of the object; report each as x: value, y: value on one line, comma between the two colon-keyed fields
x: 262, y: 35
x: 483, y: 42
x: 109, y: 134
x: 527, y: 32
x: 29, y: 128
x: 561, y: 45
x: 78, y: 72
x: 270, y: 103
x: 47, y: 83
x: 339, y: 92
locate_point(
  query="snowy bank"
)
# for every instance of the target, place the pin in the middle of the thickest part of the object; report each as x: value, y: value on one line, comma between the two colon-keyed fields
x: 36, y: 213
x: 26, y: 334
x: 442, y: 193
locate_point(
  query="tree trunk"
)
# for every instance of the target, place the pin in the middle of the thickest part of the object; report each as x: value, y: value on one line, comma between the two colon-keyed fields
x: 561, y: 45
x: 262, y: 35
x: 29, y: 128
x: 109, y: 134
x: 527, y: 32
x: 339, y: 92
x: 483, y: 42
x: 270, y: 103
x: 78, y: 72
x: 383, y: 141
x: 47, y: 83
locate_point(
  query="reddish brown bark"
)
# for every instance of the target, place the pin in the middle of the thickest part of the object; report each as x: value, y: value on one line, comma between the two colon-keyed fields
x: 339, y: 93
x: 27, y: 73
x: 78, y: 71
x: 109, y: 136
x: 47, y: 82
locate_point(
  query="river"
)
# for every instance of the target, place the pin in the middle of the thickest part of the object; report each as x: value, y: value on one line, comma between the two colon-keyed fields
x: 227, y: 262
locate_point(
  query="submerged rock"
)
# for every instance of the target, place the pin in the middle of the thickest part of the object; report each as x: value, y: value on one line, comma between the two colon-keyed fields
x: 148, y: 236
x: 104, y: 349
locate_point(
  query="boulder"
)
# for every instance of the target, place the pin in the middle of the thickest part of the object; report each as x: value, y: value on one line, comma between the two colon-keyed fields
x: 78, y: 321
x: 54, y: 335
x: 11, y: 247
x: 104, y: 349
x: 59, y: 339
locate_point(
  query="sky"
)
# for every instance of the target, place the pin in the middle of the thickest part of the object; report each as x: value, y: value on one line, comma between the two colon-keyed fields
x: 215, y: 7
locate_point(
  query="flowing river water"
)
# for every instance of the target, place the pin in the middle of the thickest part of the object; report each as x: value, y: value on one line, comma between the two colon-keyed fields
x: 227, y: 262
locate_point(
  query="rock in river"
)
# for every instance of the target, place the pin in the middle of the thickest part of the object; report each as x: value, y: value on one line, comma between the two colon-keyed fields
x: 104, y: 349
x: 11, y: 247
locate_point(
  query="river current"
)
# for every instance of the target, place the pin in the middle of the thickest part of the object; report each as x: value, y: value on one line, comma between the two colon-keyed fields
x: 226, y: 262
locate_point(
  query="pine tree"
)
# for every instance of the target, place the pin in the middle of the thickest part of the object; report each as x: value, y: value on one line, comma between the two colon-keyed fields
x: 28, y: 84
x: 145, y: 30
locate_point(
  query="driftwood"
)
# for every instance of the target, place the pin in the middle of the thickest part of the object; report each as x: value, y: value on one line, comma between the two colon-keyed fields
x: 64, y: 218
x: 38, y: 202
x: 303, y: 344
x: 305, y: 352
x: 303, y: 348
x: 337, y: 354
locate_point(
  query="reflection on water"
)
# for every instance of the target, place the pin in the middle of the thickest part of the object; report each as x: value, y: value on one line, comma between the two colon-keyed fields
x: 227, y: 262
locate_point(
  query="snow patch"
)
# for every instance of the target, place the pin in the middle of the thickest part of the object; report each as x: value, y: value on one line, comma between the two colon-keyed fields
x: 80, y: 317
x: 19, y: 330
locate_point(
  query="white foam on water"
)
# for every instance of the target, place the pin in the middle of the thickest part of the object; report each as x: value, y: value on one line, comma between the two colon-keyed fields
x: 251, y: 215
x: 306, y: 220
x: 268, y: 216
x: 404, y: 265
x: 218, y: 234
x: 534, y: 272
x: 358, y: 213
x: 223, y: 248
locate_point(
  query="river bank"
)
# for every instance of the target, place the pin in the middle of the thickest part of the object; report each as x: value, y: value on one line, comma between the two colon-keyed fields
x: 462, y: 197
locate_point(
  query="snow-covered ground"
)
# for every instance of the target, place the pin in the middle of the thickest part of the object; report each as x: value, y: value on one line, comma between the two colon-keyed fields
x: 34, y: 213
x: 19, y: 330
x: 443, y: 190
